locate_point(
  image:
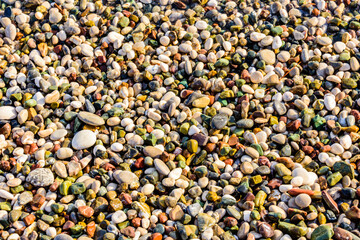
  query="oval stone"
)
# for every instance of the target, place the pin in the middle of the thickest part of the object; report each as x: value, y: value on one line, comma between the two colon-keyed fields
x: 83, y: 139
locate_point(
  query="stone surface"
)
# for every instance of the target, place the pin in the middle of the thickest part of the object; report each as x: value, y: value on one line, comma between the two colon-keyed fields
x: 40, y: 177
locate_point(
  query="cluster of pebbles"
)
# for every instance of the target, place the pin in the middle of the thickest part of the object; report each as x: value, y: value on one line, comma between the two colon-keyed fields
x: 179, y: 119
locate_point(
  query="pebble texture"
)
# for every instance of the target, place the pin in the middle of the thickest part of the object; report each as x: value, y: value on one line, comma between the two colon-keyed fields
x: 178, y: 119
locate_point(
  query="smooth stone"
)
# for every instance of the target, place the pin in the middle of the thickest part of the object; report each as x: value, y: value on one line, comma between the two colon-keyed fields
x: 346, y: 142
x: 322, y: 232
x: 73, y: 168
x: 118, y: 217
x: 280, y: 108
x: 329, y: 101
x: 52, y: 97
x: 303, y: 200
x: 63, y: 237
x: 83, y: 139
x: 10, y: 31
x: 337, y: 149
x: 252, y: 152
x: 25, y: 197
x: 58, y: 134
x: 7, y: 113
x: 283, y: 56
x: 152, y: 151
x: 161, y: 167
x: 339, y: 47
x: 54, y: 17
x: 125, y: 176
x: 324, y: 41
x: 268, y: 56
x: 256, y: 77
x: 64, y: 153
x: 14, y: 182
x: 6, y: 195
x: 91, y: 119
x: 60, y: 169
x: 279, y: 139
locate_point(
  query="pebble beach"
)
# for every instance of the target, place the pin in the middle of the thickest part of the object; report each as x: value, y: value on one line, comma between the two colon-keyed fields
x: 179, y: 119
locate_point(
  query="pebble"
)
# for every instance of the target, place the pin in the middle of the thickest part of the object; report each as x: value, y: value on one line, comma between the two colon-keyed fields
x: 40, y: 177
x: 268, y: 56
x: 64, y: 153
x: 303, y: 200
x: 91, y: 119
x: 161, y: 167
x: 125, y: 177
x: 7, y: 113
x: 83, y: 139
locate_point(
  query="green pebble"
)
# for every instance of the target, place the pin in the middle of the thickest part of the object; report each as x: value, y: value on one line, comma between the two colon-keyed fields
x: 222, y: 63
x: 231, y: 210
x: 184, y: 128
x: 334, y: 178
x: 318, y: 121
x: 47, y: 218
x: 323, y: 232
x: 16, y: 96
x: 124, y: 22
x: 344, y: 56
x: 276, y: 31
x: 282, y: 170
x: 150, y: 140
x: 14, y: 215
x: 30, y: 103
x: 349, y: 83
x: 57, y: 208
x: 77, y: 229
x: 344, y: 169
x: 64, y: 187
x: 5, y: 206
x: 69, y: 116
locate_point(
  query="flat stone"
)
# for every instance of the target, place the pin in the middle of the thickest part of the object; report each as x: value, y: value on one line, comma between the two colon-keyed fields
x: 152, y: 151
x: 52, y: 97
x: 176, y: 213
x: 58, y: 134
x: 201, y: 102
x: 10, y: 31
x: 324, y: 41
x: 268, y: 56
x: 7, y: 113
x: 256, y: 77
x: 25, y: 197
x: 91, y: 119
x: 125, y: 177
x: 280, y: 108
x: 204, y: 221
x: 6, y: 195
x: 279, y: 138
